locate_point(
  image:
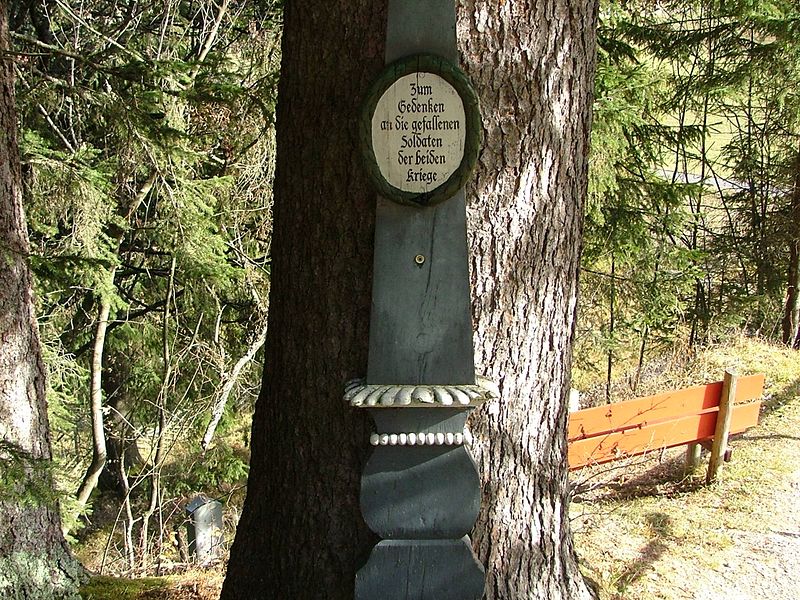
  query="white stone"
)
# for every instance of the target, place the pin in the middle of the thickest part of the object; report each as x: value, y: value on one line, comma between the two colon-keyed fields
x: 384, y: 439
x: 402, y: 439
x: 352, y: 384
x: 404, y: 396
x: 388, y: 397
x: 430, y: 439
x: 412, y: 439
x: 374, y: 395
x: 421, y: 439
x: 439, y: 439
x: 393, y: 439
x: 374, y: 439
x: 359, y: 398
x: 470, y: 391
x: 460, y: 396
x: 459, y: 438
x: 449, y: 438
x: 350, y: 392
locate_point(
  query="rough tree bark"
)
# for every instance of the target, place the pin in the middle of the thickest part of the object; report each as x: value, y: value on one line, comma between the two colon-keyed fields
x: 532, y: 63
x: 35, y: 562
x: 301, y: 535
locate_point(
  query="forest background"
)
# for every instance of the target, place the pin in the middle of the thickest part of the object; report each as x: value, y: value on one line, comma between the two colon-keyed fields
x: 147, y: 144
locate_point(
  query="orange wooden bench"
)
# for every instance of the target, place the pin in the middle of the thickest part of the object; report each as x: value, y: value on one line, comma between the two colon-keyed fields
x: 689, y: 416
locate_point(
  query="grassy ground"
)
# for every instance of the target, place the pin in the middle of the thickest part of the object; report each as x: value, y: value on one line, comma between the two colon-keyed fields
x: 192, y: 585
x: 646, y: 532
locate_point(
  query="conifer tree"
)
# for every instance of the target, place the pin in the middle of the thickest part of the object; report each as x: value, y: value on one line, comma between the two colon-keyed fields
x: 35, y: 562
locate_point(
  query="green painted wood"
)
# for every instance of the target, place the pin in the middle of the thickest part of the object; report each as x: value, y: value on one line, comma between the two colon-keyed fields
x: 421, y: 333
x: 421, y: 570
x: 422, y: 492
x: 417, y: 26
x: 434, y: 419
x: 421, y: 322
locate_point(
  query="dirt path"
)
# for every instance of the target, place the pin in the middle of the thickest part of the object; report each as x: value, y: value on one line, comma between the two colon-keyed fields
x: 760, y: 565
x: 763, y: 561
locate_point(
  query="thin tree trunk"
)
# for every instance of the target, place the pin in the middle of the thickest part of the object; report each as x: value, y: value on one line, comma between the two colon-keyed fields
x: 646, y: 333
x: 611, y: 315
x: 791, y: 311
x: 118, y: 426
x: 127, y: 524
x: 35, y: 562
x: 227, y: 387
x: 121, y: 435
x: 99, y: 450
x: 96, y: 407
x: 158, y: 459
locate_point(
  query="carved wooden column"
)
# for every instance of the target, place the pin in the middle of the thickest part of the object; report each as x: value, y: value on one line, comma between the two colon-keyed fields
x: 420, y: 489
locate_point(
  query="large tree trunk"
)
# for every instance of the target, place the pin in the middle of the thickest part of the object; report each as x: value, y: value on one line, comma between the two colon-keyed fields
x: 532, y: 63
x: 35, y: 562
x: 301, y: 534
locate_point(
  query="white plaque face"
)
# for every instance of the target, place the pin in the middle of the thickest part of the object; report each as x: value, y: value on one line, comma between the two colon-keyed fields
x: 418, y: 132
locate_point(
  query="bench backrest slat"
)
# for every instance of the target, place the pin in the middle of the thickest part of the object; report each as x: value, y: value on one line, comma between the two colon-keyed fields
x: 641, y: 412
x: 664, y: 434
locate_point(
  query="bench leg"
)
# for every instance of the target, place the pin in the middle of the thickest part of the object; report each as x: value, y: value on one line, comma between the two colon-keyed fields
x: 692, y: 457
x: 720, y: 443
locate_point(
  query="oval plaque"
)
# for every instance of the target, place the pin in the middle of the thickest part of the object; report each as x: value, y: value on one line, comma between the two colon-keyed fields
x: 420, y: 130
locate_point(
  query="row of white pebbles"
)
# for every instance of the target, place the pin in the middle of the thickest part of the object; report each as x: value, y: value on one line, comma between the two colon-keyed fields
x: 358, y: 393
x: 420, y: 439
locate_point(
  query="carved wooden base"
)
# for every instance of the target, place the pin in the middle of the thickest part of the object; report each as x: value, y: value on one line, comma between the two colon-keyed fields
x: 421, y: 569
x: 423, y: 499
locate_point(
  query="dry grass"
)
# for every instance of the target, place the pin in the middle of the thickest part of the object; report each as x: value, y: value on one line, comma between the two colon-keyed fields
x: 646, y: 532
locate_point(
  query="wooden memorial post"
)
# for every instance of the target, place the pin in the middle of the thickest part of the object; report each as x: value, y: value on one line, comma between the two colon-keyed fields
x: 420, y: 489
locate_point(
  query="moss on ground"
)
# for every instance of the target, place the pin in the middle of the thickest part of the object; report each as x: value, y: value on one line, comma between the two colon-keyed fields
x: 118, y: 588
x: 194, y: 584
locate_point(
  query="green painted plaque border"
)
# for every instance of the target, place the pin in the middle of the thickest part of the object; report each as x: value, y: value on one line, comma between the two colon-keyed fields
x: 425, y: 63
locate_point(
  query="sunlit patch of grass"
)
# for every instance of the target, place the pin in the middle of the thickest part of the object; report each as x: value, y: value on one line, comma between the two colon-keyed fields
x: 120, y: 588
x: 195, y: 584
